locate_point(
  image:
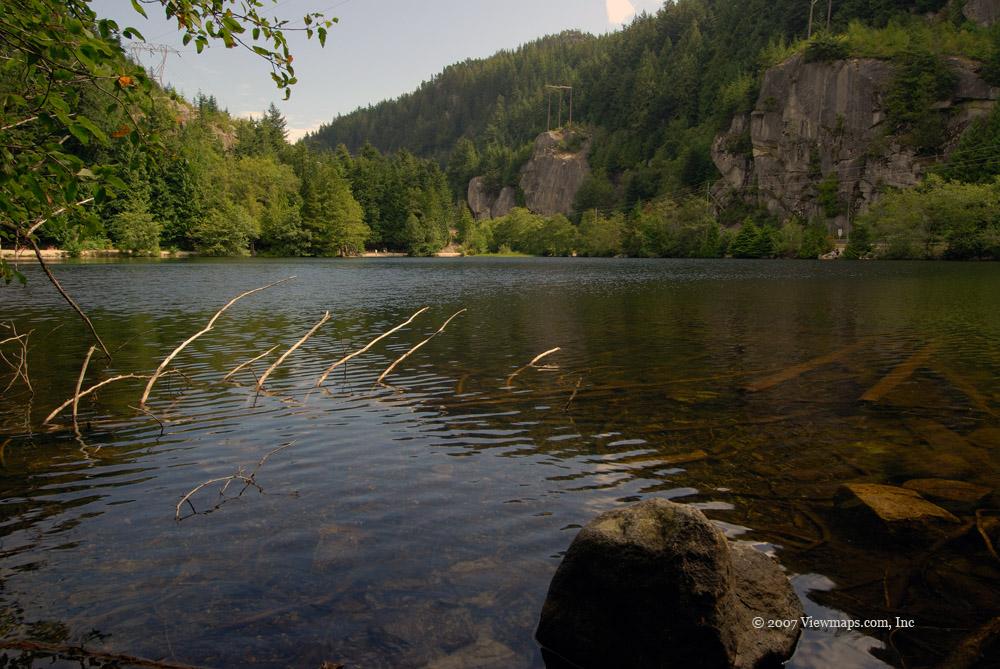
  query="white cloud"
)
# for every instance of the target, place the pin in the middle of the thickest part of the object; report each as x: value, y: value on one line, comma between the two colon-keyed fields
x: 619, y: 11
x: 295, y: 134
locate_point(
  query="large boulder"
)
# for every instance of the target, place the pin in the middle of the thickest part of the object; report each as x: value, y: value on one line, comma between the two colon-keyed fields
x: 557, y: 169
x: 983, y: 12
x: 656, y: 584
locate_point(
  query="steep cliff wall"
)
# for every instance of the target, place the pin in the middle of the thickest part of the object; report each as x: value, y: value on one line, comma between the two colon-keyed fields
x: 825, y: 123
x: 549, y: 180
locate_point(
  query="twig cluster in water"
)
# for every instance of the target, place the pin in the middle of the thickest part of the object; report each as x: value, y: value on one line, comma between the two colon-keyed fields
x: 248, y: 479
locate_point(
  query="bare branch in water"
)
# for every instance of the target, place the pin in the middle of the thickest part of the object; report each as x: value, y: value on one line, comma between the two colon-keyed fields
x: 79, y: 384
x: 81, y: 654
x: 249, y: 480
x: 414, y: 349
x: 340, y: 362
x: 21, y: 368
x: 249, y: 362
x: 72, y: 303
x: 263, y: 378
x: 211, y: 323
x: 531, y: 364
x: 80, y: 395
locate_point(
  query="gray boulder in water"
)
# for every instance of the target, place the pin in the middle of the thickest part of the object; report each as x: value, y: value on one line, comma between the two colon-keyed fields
x: 656, y: 584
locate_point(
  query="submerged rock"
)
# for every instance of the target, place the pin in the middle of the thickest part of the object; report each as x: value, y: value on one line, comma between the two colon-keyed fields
x: 656, y: 584
x: 897, y: 508
x: 948, y: 490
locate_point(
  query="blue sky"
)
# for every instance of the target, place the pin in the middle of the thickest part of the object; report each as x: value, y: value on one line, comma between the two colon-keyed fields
x: 379, y: 49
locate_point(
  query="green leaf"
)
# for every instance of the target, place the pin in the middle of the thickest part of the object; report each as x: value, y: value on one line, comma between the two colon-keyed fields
x: 137, y: 7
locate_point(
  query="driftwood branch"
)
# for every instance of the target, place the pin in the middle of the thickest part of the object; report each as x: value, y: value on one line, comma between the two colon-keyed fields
x: 211, y: 323
x: 415, y: 348
x: 81, y: 653
x: 72, y: 303
x: 20, y: 370
x: 249, y: 362
x: 277, y: 363
x: 531, y: 364
x: 899, y: 374
x: 79, y: 384
x: 368, y: 346
x: 249, y: 480
x: 77, y: 397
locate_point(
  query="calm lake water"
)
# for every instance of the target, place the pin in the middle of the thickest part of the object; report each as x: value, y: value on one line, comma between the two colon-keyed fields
x: 419, y: 524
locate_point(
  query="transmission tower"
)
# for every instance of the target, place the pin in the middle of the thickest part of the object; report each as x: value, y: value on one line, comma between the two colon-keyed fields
x: 161, y: 51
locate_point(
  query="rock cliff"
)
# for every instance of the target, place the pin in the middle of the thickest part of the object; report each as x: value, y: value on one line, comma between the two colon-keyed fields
x: 825, y: 122
x: 549, y: 180
x: 983, y: 12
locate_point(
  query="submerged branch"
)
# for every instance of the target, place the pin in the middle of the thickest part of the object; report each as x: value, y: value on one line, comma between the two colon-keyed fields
x: 72, y: 303
x: 263, y: 378
x: 531, y: 364
x: 249, y: 362
x: 79, y: 384
x: 211, y: 323
x: 415, y: 348
x: 82, y: 653
x: 340, y: 362
x: 80, y: 395
x: 248, y: 480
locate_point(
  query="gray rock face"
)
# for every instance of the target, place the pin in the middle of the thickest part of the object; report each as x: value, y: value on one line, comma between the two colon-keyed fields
x: 658, y: 585
x: 479, y: 199
x: 983, y: 12
x: 816, y: 121
x: 551, y: 179
x: 506, y: 201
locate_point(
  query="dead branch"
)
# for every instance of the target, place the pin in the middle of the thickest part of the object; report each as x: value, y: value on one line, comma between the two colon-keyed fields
x: 151, y: 415
x: 21, y: 368
x: 263, y: 378
x: 415, y: 348
x: 249, y: 480
x: 985, y: 535
x: 81, y: 653
x: 79, y: 384
x: 340, y: 362
x: 72, y: 303
x: 80, y: 395
x: 794, y: 371
x: 531, y: 364
x: 249, y: 362
x: 572, y: 397
x: 971, y: 651
x: 211, y: 323
x: 899, y: 374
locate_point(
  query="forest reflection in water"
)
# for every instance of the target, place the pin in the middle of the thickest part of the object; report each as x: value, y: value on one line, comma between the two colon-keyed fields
x: 419, y: 524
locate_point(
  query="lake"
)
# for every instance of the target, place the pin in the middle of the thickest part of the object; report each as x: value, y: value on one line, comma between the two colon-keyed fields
x: 418, y: 523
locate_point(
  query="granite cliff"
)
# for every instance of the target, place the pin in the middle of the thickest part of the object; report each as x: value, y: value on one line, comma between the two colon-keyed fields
x: 825, y: 123
x: 549, y: 181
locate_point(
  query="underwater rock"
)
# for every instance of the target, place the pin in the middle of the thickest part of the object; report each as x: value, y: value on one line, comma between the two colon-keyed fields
x: 948, y: 490
x: 897, y: 508
x: 657, y: 584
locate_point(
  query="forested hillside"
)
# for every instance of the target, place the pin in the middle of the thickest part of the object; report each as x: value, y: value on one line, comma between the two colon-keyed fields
x: 655, y: 93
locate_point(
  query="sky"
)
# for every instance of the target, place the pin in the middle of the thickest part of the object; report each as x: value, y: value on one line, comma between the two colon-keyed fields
x: 379, y: 49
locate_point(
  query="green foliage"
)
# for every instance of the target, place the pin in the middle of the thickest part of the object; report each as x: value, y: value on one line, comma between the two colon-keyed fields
x: 976, y: 158
x: 937, y: 219
x: 224, y: 231
x: 922, y: 78
x: 136, y: 232
x: 73, y: 106
x: 823, y: 47
x: 828, y: 196
x: 599, y: 236
x: 757, y: 241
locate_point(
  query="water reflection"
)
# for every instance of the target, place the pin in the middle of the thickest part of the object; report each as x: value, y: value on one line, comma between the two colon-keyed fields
x: 418, y: 525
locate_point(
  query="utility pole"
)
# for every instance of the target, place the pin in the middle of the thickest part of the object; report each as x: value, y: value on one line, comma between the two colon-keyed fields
x: 560, y: 88
x: 812, y: 6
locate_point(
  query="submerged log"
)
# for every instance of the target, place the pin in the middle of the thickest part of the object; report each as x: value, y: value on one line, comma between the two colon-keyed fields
x: 900, y: 373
